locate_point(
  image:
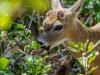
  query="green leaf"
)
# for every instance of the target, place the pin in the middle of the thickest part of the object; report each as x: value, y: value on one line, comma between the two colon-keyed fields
x: 19, y: 27
x: 92, y: 56
x: 29, y: 58
x: 92, y: 69
x: 90, y: 47
x: 80, y: 74
x: 6, y: 72
x: 38, y: 68
x: 76, y: 47
x: 34, y: 45
x: 3, y: 63
x: 83, y: 61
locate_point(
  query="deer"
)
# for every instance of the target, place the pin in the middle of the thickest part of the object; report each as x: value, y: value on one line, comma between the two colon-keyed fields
x: 62, y: 24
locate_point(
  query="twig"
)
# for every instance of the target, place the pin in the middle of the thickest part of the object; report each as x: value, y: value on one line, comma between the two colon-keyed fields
x: 31, y: 20
x: 97, y: 44
x: 86, y: 45
x: 85, y: 54
x: 65, y: 66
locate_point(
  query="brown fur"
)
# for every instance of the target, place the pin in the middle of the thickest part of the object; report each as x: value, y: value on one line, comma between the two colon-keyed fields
x: 73, y: 29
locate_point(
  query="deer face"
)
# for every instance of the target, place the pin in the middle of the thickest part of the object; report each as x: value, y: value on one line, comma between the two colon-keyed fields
x: 59, y: 24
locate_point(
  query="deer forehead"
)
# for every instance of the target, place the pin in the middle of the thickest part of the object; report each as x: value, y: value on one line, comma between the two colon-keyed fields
x: 50, y: 19
x: 52, y: 15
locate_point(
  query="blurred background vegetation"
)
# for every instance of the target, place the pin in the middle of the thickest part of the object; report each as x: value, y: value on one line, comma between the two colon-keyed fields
x: 15, y: 18
x: 10, y: 9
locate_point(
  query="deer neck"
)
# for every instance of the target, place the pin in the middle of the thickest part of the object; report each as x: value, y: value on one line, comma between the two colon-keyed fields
x: 94, y: 33
x: 78, y: 32
x: 82, y: 33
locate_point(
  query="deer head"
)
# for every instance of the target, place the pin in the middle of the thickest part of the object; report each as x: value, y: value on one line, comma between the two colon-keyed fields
x: 60, y: 23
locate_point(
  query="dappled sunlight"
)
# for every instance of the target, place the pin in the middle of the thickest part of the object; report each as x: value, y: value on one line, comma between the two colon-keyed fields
x: 5, y: 22
x: 7, y: 9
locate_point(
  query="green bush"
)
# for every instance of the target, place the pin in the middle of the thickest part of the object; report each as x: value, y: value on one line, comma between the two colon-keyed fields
x: 28, y: 58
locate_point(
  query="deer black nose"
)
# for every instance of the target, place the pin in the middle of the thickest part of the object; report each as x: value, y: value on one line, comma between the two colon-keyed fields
x: 42, y: 42
x: 44, y: 46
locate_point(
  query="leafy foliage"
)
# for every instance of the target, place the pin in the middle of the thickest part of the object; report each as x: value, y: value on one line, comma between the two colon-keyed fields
x: 20, y: 53
x: 90, y: 13
x: 23, y: 61
x: 86, y: 56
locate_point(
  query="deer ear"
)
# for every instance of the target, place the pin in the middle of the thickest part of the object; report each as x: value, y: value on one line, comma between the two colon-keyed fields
x: 76, y: 8
x: 56, y: 4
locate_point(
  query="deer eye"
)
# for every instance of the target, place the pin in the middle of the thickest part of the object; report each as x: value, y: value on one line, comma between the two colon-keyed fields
x: 58, y: 28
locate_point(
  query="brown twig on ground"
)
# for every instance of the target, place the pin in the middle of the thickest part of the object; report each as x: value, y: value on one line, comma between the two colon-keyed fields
x: 65, y: 66
x: 33, y: 26
x: 86, y: 45
x: 85, y: 53
x: 97, y: 44
x: 31, y: 20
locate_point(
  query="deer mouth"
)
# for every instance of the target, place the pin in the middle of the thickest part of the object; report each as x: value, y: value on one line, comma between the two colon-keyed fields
x: 44, y: 46
x: 43, y: 43
x: 48, y: 42
x: 52, y: 45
